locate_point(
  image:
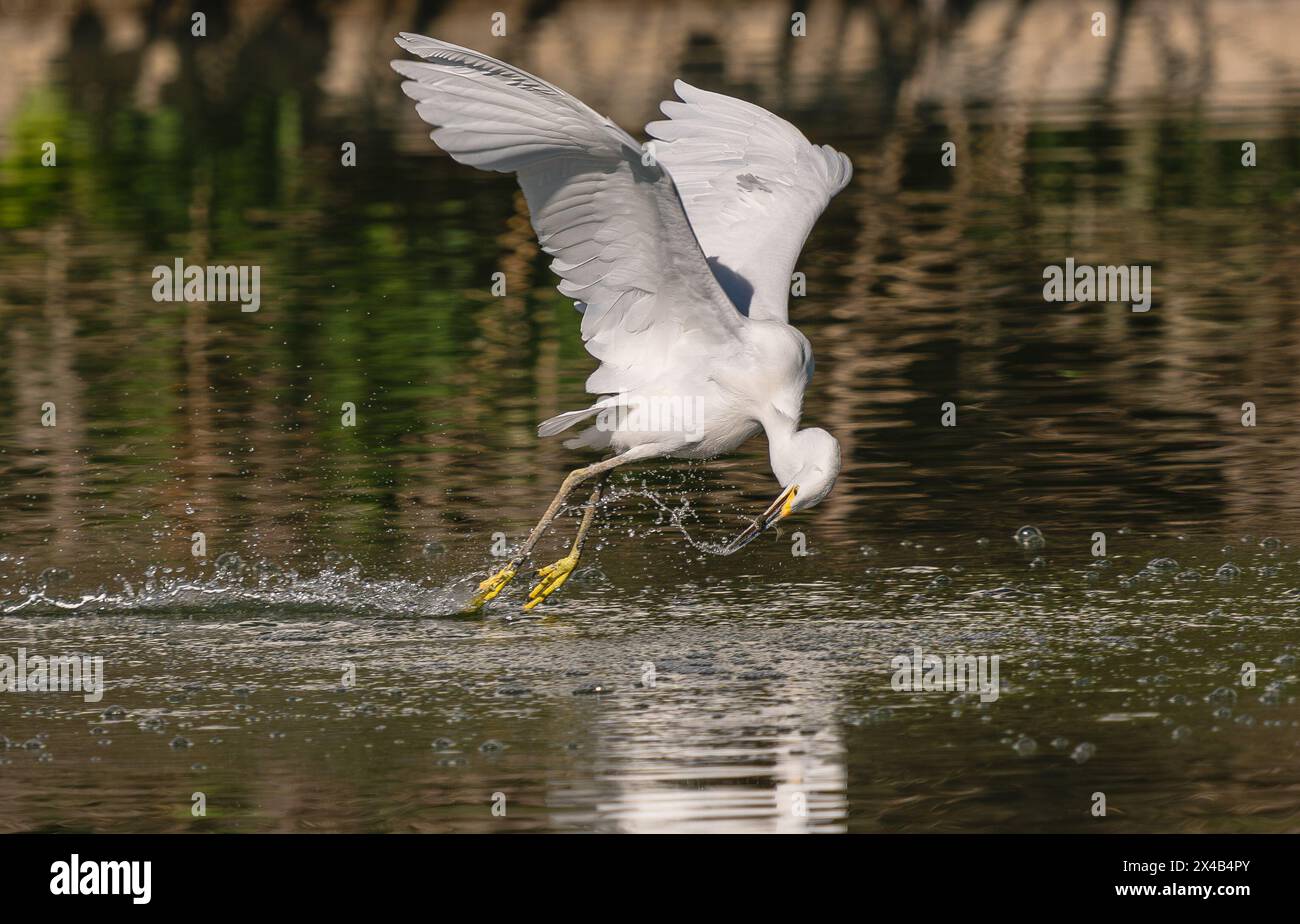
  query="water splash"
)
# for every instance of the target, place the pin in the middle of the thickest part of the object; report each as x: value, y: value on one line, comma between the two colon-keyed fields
x: 258, y: 586
x: 668, y: 517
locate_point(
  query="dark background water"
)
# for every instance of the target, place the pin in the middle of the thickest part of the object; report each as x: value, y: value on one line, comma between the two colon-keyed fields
x: 330, y: 545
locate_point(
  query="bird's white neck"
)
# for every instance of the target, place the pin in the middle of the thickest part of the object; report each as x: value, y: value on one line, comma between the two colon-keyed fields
x: 781, y: 439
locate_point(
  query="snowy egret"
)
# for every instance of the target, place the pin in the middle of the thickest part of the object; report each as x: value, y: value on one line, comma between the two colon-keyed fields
x: 679, y: 254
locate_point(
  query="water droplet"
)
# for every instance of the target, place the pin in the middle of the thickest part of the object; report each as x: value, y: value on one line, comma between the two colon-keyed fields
x: 1083, y: 753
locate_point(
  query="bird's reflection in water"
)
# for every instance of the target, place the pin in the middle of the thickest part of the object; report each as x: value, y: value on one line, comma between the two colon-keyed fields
x: 759, y: 772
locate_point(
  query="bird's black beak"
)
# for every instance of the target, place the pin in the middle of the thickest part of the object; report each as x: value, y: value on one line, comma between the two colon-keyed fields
x: 777, y: 511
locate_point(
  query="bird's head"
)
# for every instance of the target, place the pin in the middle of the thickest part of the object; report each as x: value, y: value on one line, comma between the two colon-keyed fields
x: 806, y: 464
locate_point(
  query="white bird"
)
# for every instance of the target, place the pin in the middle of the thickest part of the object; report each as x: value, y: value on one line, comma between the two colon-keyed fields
x: 679, y: 255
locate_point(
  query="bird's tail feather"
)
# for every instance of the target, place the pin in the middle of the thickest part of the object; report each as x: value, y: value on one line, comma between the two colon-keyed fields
x: 562, y: 422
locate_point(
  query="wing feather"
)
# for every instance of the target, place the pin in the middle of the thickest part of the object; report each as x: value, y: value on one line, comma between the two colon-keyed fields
x: 615, y: 226
x: 753, y: 187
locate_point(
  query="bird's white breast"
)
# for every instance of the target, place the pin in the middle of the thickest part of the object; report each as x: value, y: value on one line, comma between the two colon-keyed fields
x: 715, y: 407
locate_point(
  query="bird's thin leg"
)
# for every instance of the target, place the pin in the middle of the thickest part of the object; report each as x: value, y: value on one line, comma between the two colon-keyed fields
x: 497, y: 582
x: 554, y: 575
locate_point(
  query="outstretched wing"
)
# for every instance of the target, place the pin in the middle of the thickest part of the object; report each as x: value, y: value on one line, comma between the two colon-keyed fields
x: 615, y: 226
x: 753, y: 186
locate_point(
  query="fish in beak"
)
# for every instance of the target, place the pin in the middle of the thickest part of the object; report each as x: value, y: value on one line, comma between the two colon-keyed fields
x: 779, y: 510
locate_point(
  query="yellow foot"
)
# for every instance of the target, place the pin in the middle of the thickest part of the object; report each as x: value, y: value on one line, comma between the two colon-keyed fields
x: 552, y: 579
x: 492, y: 586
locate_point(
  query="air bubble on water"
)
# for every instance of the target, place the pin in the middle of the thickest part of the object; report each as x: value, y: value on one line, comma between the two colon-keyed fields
x: 590, y: 574
x: 1025, y: 746
x: 1181, y: 733
x: 1224, y: 695
x: 1083, y: 753
x: 1030, y: 537
x: 1227, y: 572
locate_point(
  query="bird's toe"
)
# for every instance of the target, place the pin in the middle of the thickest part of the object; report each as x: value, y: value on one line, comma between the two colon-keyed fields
x: 552, y: 578
x: 492, y: 586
